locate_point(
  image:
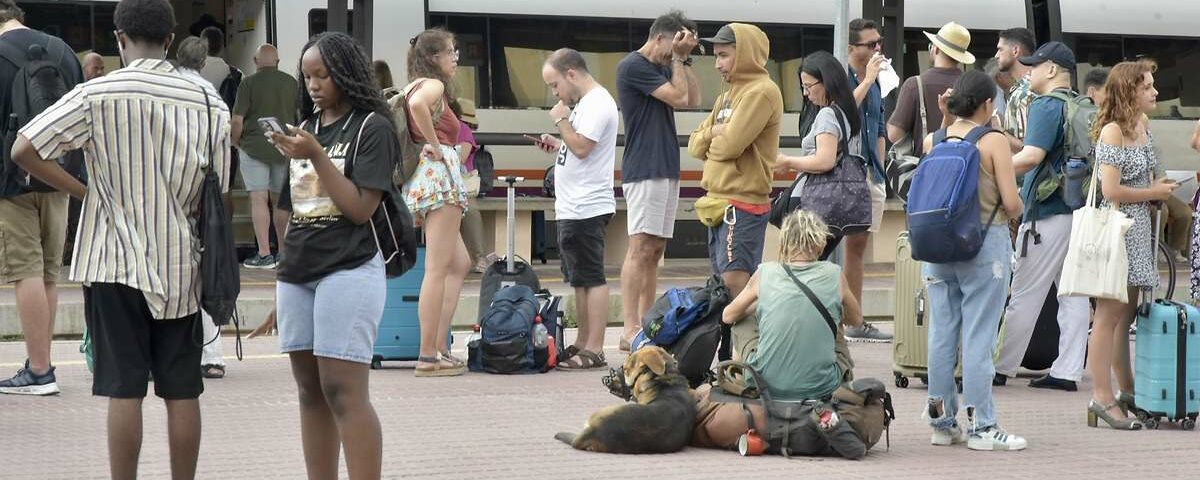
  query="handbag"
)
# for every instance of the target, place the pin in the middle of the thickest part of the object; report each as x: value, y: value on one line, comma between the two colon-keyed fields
x: 220, y: 279
x: 392, y: 224
x: 903, y: 157
x: 1097, y: 263
x: 841, y: 196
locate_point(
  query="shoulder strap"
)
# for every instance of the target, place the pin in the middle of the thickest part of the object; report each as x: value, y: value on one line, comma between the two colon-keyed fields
x: 357, y: 141
x: 921, y: 103
x: 208, y: 114
x: 843, y: 142
x: 812, y: 297
x: 977, y: 133
x: 939, y: 136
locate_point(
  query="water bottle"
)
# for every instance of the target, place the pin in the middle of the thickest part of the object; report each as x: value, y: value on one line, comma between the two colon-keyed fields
x: 1076, y: 174
x: 541, y: 337
x: 475, y: 335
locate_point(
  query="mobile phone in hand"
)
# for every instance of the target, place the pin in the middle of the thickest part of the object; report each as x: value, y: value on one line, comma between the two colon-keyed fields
x: 272, y: 125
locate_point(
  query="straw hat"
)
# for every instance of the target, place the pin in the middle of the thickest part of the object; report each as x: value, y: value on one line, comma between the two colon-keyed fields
x: 953, y: 40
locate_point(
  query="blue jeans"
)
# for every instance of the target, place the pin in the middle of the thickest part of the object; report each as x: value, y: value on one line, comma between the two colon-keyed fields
x: 967, y: 301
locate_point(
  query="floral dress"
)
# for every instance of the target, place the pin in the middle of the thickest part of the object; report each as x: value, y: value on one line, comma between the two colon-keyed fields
x: 435, y: 184
x: 1136, y: 164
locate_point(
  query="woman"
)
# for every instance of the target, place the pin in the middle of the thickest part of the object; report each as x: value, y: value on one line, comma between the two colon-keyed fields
x: 1126, y: 159
x: 471, y: 228
x: 331, y: 287
x: 436, y: 196
x: 967, y: 297
x: 825, y: 84
x: 795, y: 350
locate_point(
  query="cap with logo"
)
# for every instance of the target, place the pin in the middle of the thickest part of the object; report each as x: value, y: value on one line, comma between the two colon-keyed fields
x: 1056, y: 52
x: 723, y: 36
x: 953, y: 40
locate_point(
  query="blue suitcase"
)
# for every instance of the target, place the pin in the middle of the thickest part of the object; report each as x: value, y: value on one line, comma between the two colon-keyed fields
x: 399, y: 336
x: 1167, y: 364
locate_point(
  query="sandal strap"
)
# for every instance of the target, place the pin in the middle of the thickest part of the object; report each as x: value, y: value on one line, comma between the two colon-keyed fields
x: 433, y: 359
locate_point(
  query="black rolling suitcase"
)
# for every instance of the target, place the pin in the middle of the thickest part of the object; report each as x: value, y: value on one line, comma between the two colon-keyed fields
x: 509, y: 270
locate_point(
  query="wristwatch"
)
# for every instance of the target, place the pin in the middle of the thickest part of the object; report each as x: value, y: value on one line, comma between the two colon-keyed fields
x: 687, y: 62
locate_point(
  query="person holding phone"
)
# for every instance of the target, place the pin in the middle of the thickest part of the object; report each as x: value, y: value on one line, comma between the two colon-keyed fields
x: 436, y: 195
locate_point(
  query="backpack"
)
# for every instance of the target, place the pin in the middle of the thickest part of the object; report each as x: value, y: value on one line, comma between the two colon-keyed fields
x: 506, y: 333
x: 229, y: 86
x: 943, y: 203
x: 39, y: 82
x: 1079, y: 112
x: 487, y: 170
x: 695, y: 343
x: 674, y: 312
x: 410, y: 150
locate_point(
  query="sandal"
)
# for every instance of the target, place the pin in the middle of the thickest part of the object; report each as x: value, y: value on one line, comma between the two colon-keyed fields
x: 567, y: 353
x: 584, y: 360
x: 212, y: 371
x: 437, y: 367
x: 458, y: 362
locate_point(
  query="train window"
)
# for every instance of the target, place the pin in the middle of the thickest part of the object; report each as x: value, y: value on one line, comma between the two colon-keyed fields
x: 71, y: 22
x: 1177, y: 78
x: 318, y: 21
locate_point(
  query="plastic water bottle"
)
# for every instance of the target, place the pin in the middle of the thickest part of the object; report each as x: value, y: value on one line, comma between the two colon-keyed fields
x: 475, y: 335
x: 1076, y: 174
x: 541, y: 337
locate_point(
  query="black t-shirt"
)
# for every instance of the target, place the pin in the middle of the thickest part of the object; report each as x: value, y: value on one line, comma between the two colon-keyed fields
x: 651, y: 145
x: 320, y: 240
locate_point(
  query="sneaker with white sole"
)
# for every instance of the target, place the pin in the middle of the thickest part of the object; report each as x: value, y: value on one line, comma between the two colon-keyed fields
x: 995, y: 438
x: 942, y: 437
x: 25, y: 382
x: 867, y: 333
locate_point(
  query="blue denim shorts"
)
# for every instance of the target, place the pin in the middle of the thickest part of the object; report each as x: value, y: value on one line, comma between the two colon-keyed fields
x: 336, y: 316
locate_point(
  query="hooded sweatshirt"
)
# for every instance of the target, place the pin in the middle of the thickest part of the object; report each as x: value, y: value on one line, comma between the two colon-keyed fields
x: 737, y: 163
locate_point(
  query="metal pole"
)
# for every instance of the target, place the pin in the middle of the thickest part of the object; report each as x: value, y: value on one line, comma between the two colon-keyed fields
x: 337, y: 18
x: 841, y: 36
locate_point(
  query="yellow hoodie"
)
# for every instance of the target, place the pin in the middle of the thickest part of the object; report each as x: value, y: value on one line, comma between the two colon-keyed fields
x: 737, y: 163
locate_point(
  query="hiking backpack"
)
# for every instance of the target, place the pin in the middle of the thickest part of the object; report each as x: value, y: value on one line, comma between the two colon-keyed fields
x: 39, y: 82
x: 1079, y: 112
x: 695, y: 323
x: 673, y: 313
x: 410, y: 150
x: 506, y: 333
x: 943, y: 203
x: 229, y: 86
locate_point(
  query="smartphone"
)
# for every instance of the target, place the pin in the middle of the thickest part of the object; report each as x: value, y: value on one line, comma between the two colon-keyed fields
x: 538, y: 142
x: 272, y: 125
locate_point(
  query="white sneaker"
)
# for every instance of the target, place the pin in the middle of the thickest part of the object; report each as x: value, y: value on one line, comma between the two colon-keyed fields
x: 945, y: 437
x: 994, y: 438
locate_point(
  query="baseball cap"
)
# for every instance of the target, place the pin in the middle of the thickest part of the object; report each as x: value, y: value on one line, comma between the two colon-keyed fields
x: 1056, y: 52
x: 724, y: 35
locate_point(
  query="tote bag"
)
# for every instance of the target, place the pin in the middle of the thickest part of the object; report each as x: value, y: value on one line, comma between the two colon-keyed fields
x: 1097, y: 264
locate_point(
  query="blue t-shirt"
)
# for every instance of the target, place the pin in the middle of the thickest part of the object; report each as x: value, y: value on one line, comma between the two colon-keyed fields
x: 1044, y: 129
x: 651, y: 145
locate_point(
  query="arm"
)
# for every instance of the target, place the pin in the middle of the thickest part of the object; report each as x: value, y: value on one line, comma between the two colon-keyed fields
x: 1004, y: 173
x: 895, y: 134
x: 745, y: 303
x: 358, y: 204
x: 579, y: 145
x: 820, y: 162
x: 851, y: 310
x: 63, y: 127
x: 701, y: 138
x: 747, y: 122
x: 682, y: 91
x: 693, y: 85
x: 1196, y: 137
x: 1110, y: 175
x: 236, y: 126
x: 421, y: 104
x: 52, y: 173
x: 868, y: 80
x: 901, y: 121
x: 1028, y: 159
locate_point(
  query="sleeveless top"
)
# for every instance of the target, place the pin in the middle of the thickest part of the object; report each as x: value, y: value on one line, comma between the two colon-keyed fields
x: 444, y: 122
x: 989, y: 197
x: 795, y: 354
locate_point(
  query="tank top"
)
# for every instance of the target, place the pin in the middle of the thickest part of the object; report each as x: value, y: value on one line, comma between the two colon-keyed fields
x: 989, y: 195
x: 445, y: 124
x: 795, y: 354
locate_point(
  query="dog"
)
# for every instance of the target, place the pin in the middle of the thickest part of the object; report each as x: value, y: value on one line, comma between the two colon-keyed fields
x: 659, y: 421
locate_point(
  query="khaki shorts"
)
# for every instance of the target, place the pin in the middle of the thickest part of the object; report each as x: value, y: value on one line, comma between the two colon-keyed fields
x: 745, y: 342
x: 652, y: 205
x: 33, y: 229
x: 878, y: 204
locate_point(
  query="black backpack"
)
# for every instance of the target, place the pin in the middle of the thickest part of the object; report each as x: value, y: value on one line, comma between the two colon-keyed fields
x: 229, y: 86
x: 487, y: 170
x: 38, y: 84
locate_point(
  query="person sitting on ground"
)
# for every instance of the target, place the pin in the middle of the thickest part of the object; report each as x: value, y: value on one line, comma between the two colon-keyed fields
x: 779, y: 331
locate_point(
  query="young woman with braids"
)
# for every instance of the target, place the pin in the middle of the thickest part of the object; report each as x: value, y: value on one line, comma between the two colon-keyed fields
x: 331, y: 285
x: 436, y: 195
x: 779, y: 331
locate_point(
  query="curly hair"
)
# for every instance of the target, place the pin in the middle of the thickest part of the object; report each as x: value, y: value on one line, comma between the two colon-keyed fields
x: 422, y: 52
x: 802, y: 235
x: 10, y: 11
x: 1121, y: 89
x: 351, y: 71
x: 145, y: 20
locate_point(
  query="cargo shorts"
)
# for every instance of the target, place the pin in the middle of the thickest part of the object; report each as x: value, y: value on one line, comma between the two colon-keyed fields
x: 33, y: 230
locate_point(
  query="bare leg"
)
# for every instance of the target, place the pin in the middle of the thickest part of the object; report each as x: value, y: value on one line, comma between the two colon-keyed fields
x: 598, y: 301
x: 639, y: 276
x: 345, y: 387
x: 855, y: 263
x: 124, y: 437
x: 36, y: 321
x: 318, y: 429
x: 260, y: 216
x: 442, y: 245
x: 582, y: 320
x: 460, y: 264
x: 183, y: 434
x: 1100, y: 352
x: 1122, y: 367
x: 735, y: 281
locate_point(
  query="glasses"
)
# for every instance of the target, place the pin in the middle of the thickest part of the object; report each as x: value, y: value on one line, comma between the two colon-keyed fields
x: 451, y: 53
x: 809, y: 86
x: 871, y: 44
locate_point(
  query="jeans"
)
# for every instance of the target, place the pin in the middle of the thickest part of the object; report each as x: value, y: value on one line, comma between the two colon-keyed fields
x: 967, y: 300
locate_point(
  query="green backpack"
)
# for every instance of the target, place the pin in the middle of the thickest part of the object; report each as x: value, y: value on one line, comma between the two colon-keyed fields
x: 1079, y: 111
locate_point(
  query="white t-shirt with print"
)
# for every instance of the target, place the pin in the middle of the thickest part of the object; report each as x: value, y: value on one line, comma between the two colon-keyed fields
x: 583, y: 187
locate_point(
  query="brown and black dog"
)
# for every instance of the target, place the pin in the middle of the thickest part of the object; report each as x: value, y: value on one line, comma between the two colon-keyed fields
x: 659, y: 421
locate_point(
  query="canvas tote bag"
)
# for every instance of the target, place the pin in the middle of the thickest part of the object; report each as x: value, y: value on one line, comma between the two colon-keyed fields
x: 1096, y: 264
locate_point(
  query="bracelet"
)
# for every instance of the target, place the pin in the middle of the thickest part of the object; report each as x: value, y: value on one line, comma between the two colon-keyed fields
x: 560, y: 119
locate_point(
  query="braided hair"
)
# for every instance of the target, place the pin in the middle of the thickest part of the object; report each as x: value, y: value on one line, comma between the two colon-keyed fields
x: 352, y: 74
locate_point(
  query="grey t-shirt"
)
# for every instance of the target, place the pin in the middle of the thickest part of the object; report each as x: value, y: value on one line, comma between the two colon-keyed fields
x: 827, y: 122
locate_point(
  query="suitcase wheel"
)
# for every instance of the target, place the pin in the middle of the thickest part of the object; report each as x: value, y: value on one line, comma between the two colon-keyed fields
x: 1188, y: 424
x: 376, y: 363
x: 901, y: 381
x: 1151, y: 423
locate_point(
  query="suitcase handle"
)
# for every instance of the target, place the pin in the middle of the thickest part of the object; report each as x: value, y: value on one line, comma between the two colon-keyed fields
x: 920, y: 302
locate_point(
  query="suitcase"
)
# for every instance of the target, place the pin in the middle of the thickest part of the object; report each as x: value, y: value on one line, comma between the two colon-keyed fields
x: 509, y: 270
x: 399, y: 336
x: 911, y: 317
x: 1167, y: 359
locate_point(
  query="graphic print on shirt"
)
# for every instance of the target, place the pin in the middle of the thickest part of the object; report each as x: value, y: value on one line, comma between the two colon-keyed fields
x: 561, y: 158
x: 310, y: 202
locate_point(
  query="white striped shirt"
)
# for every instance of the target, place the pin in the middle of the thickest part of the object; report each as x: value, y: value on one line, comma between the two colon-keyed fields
x: 144, y: 132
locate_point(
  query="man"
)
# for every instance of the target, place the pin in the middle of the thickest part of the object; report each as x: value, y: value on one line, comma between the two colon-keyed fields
x: 93, y: 66
x: 587, y: 119
x: 738, y: 143
x: 215, y: 68
x: 1045, y: 231
x: 140, y: 302
x: 865, y: 60
x: 651, y: 83
x: 1093, y: 84
x: 948, y: 49
x: 269, y: 92
x: 33, y: 217
x: 1013, y: 44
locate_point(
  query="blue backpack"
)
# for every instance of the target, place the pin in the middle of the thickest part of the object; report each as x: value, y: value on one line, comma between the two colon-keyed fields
x: 943, y: 201
x: 673, y: 313
x: 506, y: 332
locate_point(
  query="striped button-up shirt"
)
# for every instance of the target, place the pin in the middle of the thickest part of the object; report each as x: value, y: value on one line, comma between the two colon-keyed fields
x: 145, y: 134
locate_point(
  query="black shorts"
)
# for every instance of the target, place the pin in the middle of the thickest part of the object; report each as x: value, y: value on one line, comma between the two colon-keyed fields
x: 581, y: 248
x: 129, y: 345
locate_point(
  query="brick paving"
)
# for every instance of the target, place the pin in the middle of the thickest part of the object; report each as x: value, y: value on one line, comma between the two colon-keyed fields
x: 492, y: 427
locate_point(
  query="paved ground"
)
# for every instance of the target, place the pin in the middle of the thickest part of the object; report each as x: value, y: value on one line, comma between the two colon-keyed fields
x: 486, y: 426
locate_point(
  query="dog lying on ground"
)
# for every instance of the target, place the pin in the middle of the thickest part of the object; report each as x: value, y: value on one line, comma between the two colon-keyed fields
x: 659, y: 421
